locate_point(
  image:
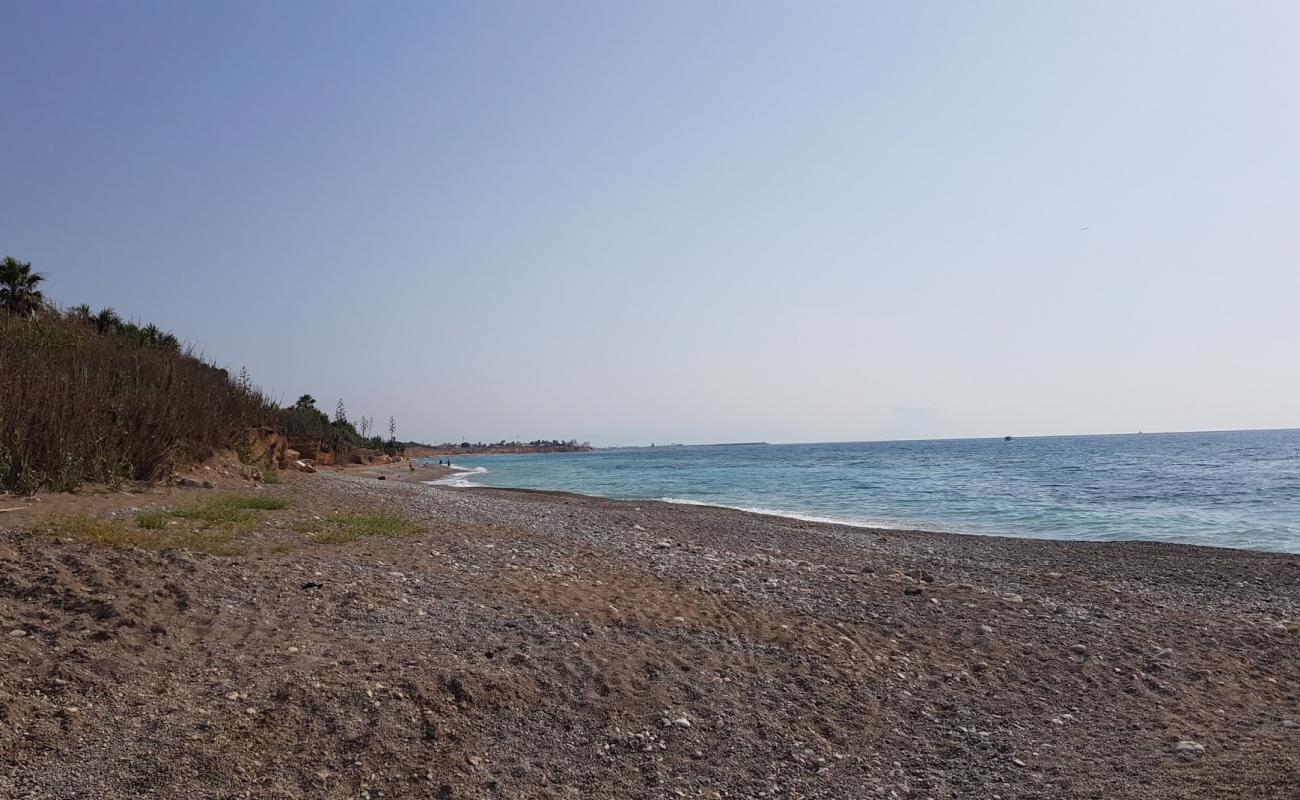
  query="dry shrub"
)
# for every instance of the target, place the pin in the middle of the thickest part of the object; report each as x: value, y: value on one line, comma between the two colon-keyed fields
x: 79, y: 406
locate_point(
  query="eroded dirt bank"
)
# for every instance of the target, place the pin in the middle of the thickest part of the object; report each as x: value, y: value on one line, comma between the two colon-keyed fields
x: 530, y: 645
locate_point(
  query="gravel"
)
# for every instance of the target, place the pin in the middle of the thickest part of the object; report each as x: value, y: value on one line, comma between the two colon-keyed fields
x: 530, y: 645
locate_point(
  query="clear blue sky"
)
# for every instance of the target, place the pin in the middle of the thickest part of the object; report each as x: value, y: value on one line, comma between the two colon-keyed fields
x: 681, y: 221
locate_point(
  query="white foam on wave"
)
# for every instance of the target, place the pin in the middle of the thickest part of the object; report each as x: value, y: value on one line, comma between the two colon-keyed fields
x: 776, y: 512
x: 460, y: 480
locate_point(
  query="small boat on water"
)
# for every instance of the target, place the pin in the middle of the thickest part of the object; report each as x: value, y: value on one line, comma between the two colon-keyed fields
x: 1006, y: 438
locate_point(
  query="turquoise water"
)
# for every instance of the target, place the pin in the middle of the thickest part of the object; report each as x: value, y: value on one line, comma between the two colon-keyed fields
x: 1228, y: 489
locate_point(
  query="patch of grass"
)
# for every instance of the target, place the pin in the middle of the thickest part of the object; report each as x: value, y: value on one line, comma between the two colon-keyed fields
x: 110, y: 533
x: 152, y: 520
x: 343, y: 528
x: 271, y: 477
x: 256, y: 503
x: 234, y: 510
x: 88, y: 529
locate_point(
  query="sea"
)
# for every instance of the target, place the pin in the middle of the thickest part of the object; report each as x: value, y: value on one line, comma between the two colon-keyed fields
x: 1236, y: 489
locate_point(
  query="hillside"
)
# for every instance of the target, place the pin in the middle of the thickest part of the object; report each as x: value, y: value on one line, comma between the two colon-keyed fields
x: 94, y: 399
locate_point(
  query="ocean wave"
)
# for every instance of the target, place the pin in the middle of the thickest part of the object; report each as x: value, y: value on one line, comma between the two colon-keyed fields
x: 459, y: 480
x: 454, y: 481
x: 776, y: 512
x: 478, y: 470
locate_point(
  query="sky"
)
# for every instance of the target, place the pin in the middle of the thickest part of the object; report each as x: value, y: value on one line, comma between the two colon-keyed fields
x: 682, y: 221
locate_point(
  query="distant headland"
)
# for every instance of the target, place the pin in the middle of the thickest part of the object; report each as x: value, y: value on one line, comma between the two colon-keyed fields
x: 657, y: 446
x: 497, y: 448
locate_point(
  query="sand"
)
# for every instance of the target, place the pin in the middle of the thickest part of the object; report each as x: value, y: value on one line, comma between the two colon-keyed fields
x: 541, y: 645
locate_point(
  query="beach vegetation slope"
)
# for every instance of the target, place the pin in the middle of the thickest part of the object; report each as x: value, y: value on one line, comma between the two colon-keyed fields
x: 90, y: 397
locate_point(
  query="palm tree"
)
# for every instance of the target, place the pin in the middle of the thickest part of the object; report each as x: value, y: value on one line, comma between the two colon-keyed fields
x: 107, y: 321
x: 82, y: 314
x: 130, y: 332
x: 18, y: 292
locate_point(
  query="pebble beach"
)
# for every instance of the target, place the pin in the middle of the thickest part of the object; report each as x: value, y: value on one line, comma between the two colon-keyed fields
x: 542, y: 645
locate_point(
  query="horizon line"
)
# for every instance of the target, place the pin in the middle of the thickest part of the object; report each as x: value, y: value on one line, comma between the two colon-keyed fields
x: 760, y: 443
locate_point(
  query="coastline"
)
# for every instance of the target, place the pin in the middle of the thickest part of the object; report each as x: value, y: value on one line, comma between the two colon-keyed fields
x: 1227, y: 490
x: 457, y: 479
x: 530, y: 644
x: 837, y: 528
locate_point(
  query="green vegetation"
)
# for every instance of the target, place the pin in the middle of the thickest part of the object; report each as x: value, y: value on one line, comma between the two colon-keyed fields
x: 152, y: 520
x: 108, y: 323
x: 215, y: 526
x: 343, y: 528
x: 304, y: 422
x: 90, y: 397
x: 219, y: 526
x: 237, y: 510
x: 18, y: 293
x: 154, y: 536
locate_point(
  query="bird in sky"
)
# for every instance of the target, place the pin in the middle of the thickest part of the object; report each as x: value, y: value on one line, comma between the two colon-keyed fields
x: 1084, y: 228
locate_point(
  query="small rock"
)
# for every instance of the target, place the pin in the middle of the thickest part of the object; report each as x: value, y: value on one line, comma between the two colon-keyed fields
x: 1078, y: 649
x: 383, y: 477
x: 912, y: 590
x: 920, y: 575
x: 663, y: 544
x: 1017, y: 762
x: 682, y: 722
x: 17, y: 632
x: 1189, y: 748
x: 250, y: 710
x: 232, y: 695
x: 987, y: 630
